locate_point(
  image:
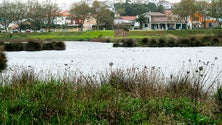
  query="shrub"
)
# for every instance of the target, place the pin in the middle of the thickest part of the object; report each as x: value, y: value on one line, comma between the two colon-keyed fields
x: 3, y: 61
x: 144, y: 42
x: 152, y: 43
x: 214, y: 41
x: 162, y: 42
x: 117, y: 45
x: 129, y: 43
x: 48, y: 46
x: 218, y: 97
x: 171, y: 42
x: 33, y: 46
x: 59, y: 45
x: 196, y: 42
x: 206, y: 39
x: 14, y: 47
x: 184, y: 42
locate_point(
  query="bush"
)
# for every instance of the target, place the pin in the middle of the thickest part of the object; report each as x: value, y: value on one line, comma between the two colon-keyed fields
x: 196, y: 42
x: 48, y: 46
x: 184, y: 42
x: 162, y: 42
x: 214, y: 41
x: 56, y: 45
x: 14, y: 47
x: 152, y: 43
x: 144, y: 42
x: 117, y: 45
x: 59, y: 45
x: 3, y: 61
x: 218, y: 97
x: 171, y: 42
x: 129, y: 43
x: 33, y: 46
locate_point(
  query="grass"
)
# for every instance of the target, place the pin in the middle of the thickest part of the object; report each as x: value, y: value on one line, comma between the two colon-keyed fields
x: 89, y: 35
x: 118, y: 96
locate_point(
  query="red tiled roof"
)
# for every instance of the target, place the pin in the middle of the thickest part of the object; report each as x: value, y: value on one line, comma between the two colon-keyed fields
x: 65, y: 13
x: 168, y: 12
x: 128, y: 17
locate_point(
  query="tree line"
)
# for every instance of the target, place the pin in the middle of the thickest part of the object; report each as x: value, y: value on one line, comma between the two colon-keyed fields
x: 31, y: 13
x: 185, y: 11
x: 127, y: 9
x: 38, y: 14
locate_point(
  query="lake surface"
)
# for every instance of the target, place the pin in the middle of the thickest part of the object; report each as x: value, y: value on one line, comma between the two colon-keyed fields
x: 92, y: 57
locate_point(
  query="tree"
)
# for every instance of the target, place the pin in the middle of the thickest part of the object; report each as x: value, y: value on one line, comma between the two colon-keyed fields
x: 8, y: 13
x: 141, y: 19
x: 102, y: 15
x: 216, y: 10
x: 160, y: 9
x: 35, y: 14
x: 51, y: 11
x: 134, y: 9
x: 80, y: 12
x: 184, y: 10
x: 21, y: 11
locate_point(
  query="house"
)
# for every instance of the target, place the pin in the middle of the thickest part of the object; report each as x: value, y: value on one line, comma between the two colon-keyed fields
x: 126, y: 21
x: 161, y: 21
x: 64, y: 19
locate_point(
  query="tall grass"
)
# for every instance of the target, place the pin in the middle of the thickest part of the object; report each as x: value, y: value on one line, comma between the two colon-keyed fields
x: 118, y: 96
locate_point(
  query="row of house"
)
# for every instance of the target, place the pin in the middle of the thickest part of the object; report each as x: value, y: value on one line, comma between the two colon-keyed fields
x: 154, y: 20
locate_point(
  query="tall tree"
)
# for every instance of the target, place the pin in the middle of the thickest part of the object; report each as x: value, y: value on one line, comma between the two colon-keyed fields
x: 102, y: 15
x: 216, y: 10
x: 184, y: 10
x: 160, y: 9
x: 141, y: 19
x: 51, y: 11
x: 35, y: 14
x: 80, y: 12
x: 8, y: 13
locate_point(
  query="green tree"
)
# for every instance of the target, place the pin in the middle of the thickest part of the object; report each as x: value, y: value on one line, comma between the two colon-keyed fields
x: 104, y: 17
x: 135, y: 9
x: 80, y: 12
x: 141, y: 19
x: 184, y: 10
x: 215, y: 9
x: 160, y: 9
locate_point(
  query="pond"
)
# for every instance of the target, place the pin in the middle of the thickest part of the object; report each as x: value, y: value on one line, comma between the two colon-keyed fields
x: 92, y: 57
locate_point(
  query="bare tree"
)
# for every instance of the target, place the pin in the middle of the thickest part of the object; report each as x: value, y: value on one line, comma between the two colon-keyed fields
x: 51, y: 11
x: 8, y: 13
x: 35, y: 13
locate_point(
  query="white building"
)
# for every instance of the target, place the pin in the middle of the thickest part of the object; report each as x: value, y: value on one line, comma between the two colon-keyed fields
x: 165, y: 4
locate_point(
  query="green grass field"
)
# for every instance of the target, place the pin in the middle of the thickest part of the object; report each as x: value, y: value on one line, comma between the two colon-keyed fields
x: 88, y: 35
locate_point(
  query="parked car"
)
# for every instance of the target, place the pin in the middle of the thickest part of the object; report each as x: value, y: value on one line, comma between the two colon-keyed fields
x: 171, y: 28
x: 15, y: 31
x: 2, y: 31
x: 27, y: 30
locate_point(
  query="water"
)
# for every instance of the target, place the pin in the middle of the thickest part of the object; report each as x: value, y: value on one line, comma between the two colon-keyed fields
x: 92, y: 57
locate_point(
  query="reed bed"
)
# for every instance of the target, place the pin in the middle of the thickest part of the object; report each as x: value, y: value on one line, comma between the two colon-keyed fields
x: 117, y: 96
